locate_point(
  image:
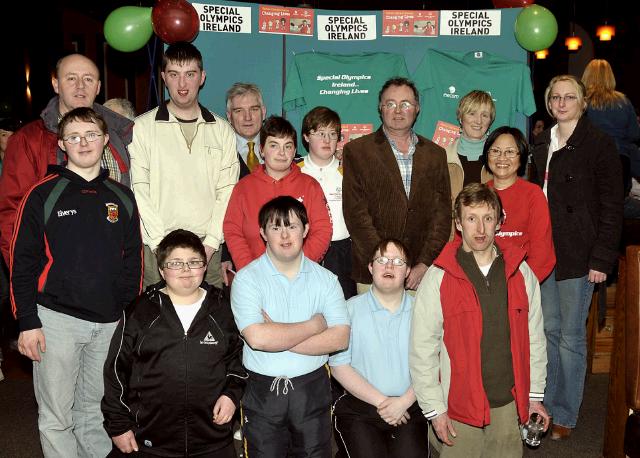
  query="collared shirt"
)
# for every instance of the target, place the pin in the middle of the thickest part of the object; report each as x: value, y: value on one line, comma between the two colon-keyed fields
x: 330, y: 179
x: 405, y: 161
x: 243, y: 147
x: 554, y: 145
x: 379, y: 343
x: 260, y: 286
x: 109, y: 162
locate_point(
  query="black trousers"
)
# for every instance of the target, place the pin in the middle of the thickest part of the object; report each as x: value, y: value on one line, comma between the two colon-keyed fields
x: 287, y: 417
x: 226, y: 452
x: 338, y: 261
x: 365, y: 434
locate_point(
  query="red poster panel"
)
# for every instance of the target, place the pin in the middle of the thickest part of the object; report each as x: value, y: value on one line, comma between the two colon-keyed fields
x: 405, y: 23
x: 286, y: 21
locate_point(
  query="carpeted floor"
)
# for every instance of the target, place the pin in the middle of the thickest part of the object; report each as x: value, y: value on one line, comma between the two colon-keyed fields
x: 19, y: 435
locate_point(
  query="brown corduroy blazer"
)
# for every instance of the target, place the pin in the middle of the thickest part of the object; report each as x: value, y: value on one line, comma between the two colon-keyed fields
x: 376, y: 207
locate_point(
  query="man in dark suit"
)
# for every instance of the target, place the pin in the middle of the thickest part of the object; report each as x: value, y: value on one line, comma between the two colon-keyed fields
x: 246, y: 113
x: 396, y: 185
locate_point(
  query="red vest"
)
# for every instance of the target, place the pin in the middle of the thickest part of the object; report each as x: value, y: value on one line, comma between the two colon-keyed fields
x: 467, y: 402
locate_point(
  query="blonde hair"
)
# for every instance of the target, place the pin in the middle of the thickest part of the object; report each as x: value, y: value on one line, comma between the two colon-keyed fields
x: 473, y: 101
x: 581, y: 92
x: 601, y: 85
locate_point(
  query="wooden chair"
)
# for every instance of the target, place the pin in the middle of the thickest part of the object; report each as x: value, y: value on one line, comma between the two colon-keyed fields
x: 624, y: 374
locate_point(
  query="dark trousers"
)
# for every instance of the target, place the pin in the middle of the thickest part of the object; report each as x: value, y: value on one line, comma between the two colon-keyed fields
x: 226, y: 452
x: 287, y: 417
x: 8, y: 325
x: 365, y: 434
x: 338, y: 261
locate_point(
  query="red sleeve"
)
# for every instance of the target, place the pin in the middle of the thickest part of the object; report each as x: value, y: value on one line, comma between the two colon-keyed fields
x: 320, y: 228
x: 232, y: 229
x: 22, y: 167
x: 541, y: 256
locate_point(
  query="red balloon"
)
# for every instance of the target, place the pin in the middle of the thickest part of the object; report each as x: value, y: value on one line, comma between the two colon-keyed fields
x: 175, y: 20
x: 512, y: 3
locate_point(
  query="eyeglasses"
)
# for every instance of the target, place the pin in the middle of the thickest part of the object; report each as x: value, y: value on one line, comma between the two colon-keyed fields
x: 89, y: 137
x: 405, y: 105
x: 569, y: 98
x: 179, y: 265
x: 508, y: 153
x: 326, y: 135
x: 383, y: 261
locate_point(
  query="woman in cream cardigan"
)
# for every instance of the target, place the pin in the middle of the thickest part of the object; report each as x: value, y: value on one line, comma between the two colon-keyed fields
x: 476, y: 112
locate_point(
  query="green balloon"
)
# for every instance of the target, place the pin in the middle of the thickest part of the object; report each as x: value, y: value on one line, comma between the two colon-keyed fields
x: 128, y: 28
x: 536, y: 28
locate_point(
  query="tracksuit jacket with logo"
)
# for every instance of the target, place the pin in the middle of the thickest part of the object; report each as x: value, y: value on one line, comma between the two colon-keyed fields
x: 35, y: 146
x: 76, y: 250
x: 162, y: 383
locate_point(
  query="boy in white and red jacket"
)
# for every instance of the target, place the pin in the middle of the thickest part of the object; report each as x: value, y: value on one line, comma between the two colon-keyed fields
x: 477, y: 353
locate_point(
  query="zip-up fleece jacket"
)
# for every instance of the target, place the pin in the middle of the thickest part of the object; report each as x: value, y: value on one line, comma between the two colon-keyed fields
x: 162, y: 383
x: 446, y: 330
x: 180, y: 184
x: 241, y: 226
x: 35, y: 146
x: 76, y: 250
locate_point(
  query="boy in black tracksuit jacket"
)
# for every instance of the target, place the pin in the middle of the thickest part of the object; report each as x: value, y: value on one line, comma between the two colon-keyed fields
x: 76, y: 262
x: 161, y: 382
x: 77, y: 250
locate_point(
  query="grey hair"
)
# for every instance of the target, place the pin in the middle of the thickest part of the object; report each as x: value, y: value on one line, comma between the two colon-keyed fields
x: 242, y: 89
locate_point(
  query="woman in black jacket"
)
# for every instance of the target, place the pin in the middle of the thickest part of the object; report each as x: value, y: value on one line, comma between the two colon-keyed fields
x: 579, y: 170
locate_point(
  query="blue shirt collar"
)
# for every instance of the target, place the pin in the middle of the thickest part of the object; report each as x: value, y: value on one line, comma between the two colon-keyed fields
x: 394, y: 148
x: 266, y: 260
x: 375, y: 306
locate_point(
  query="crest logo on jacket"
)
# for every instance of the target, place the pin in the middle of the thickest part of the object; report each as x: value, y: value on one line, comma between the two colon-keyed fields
x: 209, y: 339
x: 112, y: 212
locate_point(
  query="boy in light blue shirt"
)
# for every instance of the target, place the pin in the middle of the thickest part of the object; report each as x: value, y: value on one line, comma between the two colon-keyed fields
x: 291, y: 312
x: 379, y: 415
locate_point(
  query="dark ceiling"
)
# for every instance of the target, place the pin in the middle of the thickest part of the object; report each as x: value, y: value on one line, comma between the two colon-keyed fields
x: 38, y: 32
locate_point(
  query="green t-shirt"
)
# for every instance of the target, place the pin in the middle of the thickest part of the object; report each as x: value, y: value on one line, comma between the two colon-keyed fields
x: 348, y: 84
x: 444, y: 77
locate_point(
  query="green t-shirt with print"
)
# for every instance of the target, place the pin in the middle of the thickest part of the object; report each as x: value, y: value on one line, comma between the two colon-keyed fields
x: 348, y: 84
x: 444, y: 77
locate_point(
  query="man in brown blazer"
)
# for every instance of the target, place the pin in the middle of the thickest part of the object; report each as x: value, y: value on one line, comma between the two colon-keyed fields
x: 396, y: 185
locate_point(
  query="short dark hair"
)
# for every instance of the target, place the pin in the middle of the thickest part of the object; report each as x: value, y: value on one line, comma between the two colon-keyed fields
x: 382, y: 245
x: 319, y: 117
x: 279, y: 210
x: 10, y: 124
x: 399, y: 81
x: 475, y: 194
x: 179, y: 238
x: 521, y: 144
x: 181, y: 53
x: 83, y: 114
x: 277, y: 126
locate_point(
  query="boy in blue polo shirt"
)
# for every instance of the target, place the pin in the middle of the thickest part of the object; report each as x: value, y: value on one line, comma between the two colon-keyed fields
x: 291, y: 313
x: 379, y: 415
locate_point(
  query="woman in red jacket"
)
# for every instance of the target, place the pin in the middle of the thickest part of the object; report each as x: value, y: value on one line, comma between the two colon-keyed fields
x: 278, y: 176
x: 526, y: 221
